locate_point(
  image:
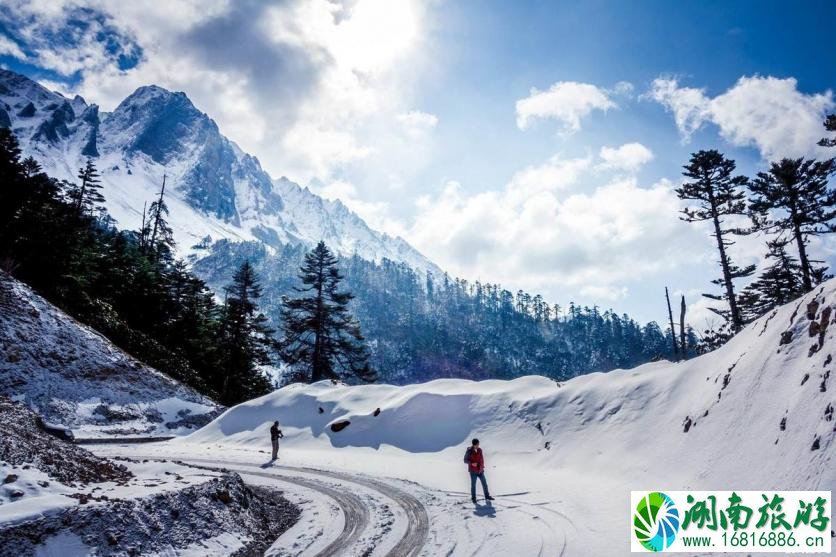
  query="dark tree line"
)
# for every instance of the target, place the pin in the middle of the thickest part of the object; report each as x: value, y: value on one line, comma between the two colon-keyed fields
x: 791, y: 202
x: 418, y: 328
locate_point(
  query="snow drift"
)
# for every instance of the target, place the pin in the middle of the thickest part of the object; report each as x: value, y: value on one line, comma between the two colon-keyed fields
x: 755, y: 414
x: 72, y: 375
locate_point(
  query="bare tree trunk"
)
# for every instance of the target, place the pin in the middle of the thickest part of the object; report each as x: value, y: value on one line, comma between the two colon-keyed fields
x: 802, y: 255
x: 142, y: 234
x: 673, y: 331
x: 157, y: 216
x: 682, y: 346
x: 737, y: 322
x: 79, y: 206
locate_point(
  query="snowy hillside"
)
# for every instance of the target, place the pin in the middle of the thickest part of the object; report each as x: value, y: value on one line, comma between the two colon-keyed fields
x: 217, y: 190
x: 75, y: 377
x: 577, y: 448
x: 56, y: 498
x: 767, y: 394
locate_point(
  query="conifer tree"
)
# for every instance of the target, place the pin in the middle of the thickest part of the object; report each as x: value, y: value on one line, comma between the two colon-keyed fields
x: 86, y: 194
x: 245, y: 339
x: 12, y: 193
x: 31, y: 167
x: 160, y: 236
x: 793, y: 198
x: 829, y: 125
x: 718, y: 194
x: 322, y: 340
x: 779, y: 283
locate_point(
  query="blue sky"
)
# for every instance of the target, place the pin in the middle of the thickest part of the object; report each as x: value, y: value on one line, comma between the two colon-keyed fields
x: 531, y: 143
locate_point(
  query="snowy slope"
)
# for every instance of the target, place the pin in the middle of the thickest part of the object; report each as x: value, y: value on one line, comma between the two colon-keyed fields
x: 734, y: 400
x: 75, y: 377
x: 216, y: 190
x: 756, y: 414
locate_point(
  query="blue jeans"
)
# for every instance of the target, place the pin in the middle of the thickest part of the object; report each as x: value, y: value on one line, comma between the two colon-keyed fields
x: 481, y: 476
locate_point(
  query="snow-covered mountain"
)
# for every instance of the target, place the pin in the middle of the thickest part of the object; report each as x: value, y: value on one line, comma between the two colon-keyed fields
x: 73, y: 376
x: 217, y: 190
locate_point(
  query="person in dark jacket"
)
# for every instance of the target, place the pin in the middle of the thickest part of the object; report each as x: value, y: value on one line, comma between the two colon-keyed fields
x: 476, y: 466
x: 275, y: 435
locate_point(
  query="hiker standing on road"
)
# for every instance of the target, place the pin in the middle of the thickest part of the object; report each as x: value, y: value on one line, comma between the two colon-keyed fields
x: 275, y: 435
x: 476, y: 466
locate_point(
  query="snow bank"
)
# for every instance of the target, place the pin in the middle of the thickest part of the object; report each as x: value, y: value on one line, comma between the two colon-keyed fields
x: 755, y: 414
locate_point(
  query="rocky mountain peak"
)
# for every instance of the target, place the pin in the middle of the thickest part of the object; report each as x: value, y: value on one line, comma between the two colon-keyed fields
x: 219, y: 191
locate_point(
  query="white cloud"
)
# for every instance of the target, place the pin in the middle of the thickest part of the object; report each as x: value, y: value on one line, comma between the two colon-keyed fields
x: 417, y: 120
x: 624, y: 88
x: 555, y: 174
x: 10, y: 48
x: 565, y: 101
x: 629, y: 157
x: 559, y: 234
x: 768, y: 113
x: 306, y: 85
x: 611, y: 293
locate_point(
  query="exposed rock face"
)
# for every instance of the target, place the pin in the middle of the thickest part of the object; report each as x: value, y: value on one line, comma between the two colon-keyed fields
x: 75, y: 377
x: 167, y: 128
x: 23, y: 441
x: 166, y: 521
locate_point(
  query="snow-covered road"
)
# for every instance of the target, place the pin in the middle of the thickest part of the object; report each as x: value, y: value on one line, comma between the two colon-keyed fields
x: 351, y: 514
x: 356, y: 511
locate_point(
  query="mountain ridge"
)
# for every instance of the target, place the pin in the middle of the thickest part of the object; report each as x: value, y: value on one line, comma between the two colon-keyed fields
x: 219, y: 191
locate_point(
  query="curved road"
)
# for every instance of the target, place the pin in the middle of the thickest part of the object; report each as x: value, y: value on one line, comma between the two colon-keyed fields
x: 354, y: 510
x: 441, y: 525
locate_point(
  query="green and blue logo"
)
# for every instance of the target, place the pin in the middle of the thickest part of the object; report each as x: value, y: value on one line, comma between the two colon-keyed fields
x: 656, y: 521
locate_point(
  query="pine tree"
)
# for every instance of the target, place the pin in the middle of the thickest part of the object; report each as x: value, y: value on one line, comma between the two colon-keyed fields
x: 793, y: 198
x: 245, y: 339
x: 829, y: 125
x: 160, y: 237
x: 31, y: 167
x: 86, y: 195
x: 322, y: 340
x: 718, y: 194
x: 12, y: 192
x: 779, y: 283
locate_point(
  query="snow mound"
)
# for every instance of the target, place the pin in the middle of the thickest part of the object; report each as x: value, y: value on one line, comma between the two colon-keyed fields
x: 764, y: 398
x: 72, y: 375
